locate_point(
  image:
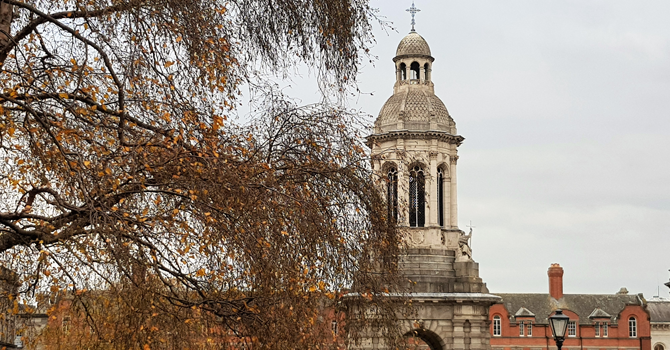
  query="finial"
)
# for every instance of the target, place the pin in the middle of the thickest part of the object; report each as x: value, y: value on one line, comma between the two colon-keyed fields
x: 413, y: 10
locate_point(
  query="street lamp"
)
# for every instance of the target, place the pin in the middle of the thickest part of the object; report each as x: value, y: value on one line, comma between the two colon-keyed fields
x: 559, y: 323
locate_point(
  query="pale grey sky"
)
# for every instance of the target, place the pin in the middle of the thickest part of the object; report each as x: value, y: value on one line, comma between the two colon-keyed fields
x: 565, y: 107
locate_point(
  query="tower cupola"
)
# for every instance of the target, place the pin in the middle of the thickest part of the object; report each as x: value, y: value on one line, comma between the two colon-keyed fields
x: 414, y: 105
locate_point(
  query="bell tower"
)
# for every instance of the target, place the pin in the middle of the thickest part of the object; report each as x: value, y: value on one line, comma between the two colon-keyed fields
x: 414, y: 151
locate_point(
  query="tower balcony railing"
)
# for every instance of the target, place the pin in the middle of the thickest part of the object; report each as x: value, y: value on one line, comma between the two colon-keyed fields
x: 414, y: 82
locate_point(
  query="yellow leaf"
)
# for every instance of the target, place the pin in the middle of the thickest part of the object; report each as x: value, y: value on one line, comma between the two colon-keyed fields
x: 87, y: 163
x: 168, y: 64
x: 200, y: 273
x: 63, y: 95
x: 179, y: 38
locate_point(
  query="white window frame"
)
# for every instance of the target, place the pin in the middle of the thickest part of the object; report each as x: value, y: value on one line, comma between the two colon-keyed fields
x: 529, y: 329
x: 605, y: 329
x: 497, y: 326
x: 521, y: 328
x: 596, y: 326
x: 632, y: 327
x: 572, y: 329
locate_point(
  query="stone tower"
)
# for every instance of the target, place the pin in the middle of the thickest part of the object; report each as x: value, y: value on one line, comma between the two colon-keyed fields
x: 414, y: 151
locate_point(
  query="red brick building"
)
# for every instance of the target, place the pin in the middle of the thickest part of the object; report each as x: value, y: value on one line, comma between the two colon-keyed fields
x: 597, y: 321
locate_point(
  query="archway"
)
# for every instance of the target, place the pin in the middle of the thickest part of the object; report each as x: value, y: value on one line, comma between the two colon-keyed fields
x: 423, y: 339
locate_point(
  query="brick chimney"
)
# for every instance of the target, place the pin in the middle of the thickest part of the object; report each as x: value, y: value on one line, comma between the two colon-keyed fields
x: 555, y: 281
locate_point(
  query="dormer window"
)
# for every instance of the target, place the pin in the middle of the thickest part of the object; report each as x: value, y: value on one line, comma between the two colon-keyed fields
x: 572, y: 328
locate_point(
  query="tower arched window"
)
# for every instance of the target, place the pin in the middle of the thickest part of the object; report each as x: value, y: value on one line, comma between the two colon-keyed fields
x: 414, y: 70
x: 426, y: 69
x: 440, y: 197
x: 632, y: 327
x: 403, y: 71
x: 417, y: 197
x: 496, y: 326
x: 392, y: 194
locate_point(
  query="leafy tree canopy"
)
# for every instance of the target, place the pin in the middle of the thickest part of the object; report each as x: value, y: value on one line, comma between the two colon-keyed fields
x: 121, y: 171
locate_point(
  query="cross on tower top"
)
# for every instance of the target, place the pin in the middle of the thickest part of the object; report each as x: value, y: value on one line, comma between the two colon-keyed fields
x: 413, y: 10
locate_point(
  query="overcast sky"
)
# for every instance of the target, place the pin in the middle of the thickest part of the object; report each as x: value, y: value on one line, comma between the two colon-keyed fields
x: 565, y: 108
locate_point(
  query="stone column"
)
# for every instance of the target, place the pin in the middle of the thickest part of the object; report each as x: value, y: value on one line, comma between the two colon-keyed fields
x: 458, y: 335
x: 453, y: 205
x: 467, y: 340
x: 432, y: 191
x: 403, y: 185
x: 446, y: 198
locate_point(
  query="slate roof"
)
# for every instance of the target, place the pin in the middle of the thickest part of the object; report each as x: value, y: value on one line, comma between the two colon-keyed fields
x: 659, y: 311
x: 542, y: 305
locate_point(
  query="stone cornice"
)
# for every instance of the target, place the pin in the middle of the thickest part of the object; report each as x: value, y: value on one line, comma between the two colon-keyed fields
x: 398, y: 58
x: 437, y: 297
x: 407, y: 134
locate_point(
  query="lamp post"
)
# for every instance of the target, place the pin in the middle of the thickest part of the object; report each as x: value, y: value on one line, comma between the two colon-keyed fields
x: 559, y: 324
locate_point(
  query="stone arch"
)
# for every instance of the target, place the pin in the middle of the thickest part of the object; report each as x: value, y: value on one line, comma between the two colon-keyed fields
x: 445, y: 169
x: 659, y: 346
x: 390, y: 174
x: 429, y: 337
x: 403, y: 71
x: 418, y: 162
x: 388, y: 165
x: 417, y: 194
x: 426, y: 70
x: 415, y: 70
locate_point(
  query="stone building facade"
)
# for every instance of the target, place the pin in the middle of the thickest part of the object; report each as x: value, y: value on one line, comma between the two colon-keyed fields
x: 597, y: 321
x: 414, y: 151
x: 659, y: 313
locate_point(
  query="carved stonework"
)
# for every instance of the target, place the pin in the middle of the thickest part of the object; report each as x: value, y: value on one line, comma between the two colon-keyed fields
x: 464, y: 253
x: 417, y: 237
x: 414, y: 129
x: 454, y: 160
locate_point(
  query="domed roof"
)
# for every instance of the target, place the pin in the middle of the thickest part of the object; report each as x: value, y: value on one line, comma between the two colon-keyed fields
x: 416, y: 107
x: 413, y: 44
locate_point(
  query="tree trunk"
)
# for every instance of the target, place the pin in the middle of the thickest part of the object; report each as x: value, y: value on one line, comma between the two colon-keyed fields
x: 5, y: 27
